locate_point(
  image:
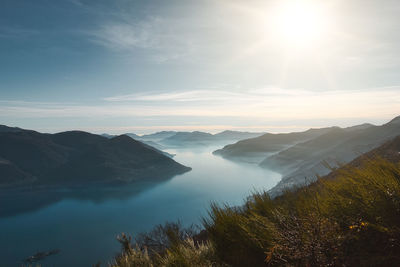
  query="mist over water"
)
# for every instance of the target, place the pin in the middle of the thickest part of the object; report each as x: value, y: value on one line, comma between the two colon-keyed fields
x: 84, y: 225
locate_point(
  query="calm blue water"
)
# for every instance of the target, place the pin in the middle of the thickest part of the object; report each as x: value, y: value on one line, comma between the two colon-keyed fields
x: 84, y: 225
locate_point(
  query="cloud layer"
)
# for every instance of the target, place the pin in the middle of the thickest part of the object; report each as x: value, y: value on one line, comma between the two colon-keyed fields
x: 269, y: 104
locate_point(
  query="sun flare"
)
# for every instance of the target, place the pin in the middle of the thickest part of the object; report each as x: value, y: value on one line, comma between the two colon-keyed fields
x: 299, y: 22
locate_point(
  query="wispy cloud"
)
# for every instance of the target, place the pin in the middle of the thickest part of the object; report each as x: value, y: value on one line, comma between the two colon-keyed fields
x: 152, y: 33
x: 269, y: 109
x: 282, y: 100
x: 209, y: 95
x: 127, y: 36
x: 269, y: 104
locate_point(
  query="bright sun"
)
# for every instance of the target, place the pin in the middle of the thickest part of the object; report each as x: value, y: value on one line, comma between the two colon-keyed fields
x: 299, y: 23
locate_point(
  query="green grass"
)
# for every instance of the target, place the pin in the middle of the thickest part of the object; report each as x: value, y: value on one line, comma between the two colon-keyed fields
x: 350, y: 220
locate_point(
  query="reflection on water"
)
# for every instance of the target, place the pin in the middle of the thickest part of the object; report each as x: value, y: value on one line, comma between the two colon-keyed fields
x: 83, y: 224
x: 29, y: 200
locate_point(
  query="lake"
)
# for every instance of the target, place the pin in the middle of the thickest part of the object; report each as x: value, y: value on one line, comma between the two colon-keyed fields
x: 83, y: 225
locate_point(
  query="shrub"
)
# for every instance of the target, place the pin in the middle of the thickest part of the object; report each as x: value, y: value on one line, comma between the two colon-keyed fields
x: 166, y: 245
x: 351, y: 220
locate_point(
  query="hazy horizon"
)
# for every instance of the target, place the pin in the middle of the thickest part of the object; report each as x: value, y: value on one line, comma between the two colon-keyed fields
x: 212, y: 129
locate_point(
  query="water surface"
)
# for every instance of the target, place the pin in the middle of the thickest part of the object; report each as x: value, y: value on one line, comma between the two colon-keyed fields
x: 83, y: 225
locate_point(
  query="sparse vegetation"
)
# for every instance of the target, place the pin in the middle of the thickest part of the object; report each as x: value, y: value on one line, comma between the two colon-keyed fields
x: 349, y: 220
x: 166, y: 245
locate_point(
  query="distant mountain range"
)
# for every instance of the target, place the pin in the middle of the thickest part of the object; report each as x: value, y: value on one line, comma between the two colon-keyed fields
x: 256, y: 149
x: 157, y: 137
x: 300, y: 157
x: 181, y: 138
x: 203, y: 138
x: 76, y: 158
x: 161, y: 140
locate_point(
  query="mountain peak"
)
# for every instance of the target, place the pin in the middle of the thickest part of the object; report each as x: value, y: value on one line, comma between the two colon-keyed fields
x: 4, y: 128
x: 396, y: 120
x: 124, y: 138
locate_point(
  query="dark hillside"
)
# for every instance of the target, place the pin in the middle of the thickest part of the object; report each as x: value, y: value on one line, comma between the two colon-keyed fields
x: 76, y: 158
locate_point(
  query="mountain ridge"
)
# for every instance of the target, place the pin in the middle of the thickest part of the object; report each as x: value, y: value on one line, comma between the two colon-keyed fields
x: 260, y: 147
x: 76, y: 157
x: 204, y: 138
x: 303, y: 162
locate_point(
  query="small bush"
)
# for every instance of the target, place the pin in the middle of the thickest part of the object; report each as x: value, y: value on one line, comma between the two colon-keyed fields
x: 166, y: 245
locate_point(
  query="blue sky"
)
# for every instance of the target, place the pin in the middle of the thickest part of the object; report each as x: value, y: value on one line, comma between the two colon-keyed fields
x: 143, y: 66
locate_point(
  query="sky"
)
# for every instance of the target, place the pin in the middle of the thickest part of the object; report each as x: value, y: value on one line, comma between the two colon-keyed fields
x: 120, y: 66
